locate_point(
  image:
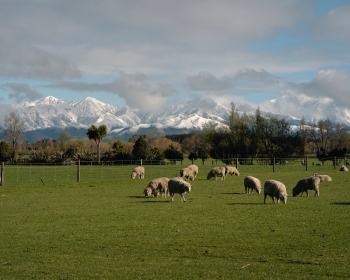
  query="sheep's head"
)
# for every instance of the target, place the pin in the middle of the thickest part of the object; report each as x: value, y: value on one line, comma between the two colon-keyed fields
x: 283, y: 198
x: 296, y: 191
x: 258, y: 189
x: 147, y: 192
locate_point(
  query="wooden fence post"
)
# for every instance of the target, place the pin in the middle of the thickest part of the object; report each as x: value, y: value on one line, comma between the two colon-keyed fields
x: 273, y: 164
x: 2, y: 174
x: 78, y: 171
x: 306, y: 163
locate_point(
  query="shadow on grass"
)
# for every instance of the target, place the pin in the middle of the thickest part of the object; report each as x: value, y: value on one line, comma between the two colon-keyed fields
x: 155, y: 201
x: 232, y: 193
x: 138, y: 196
x: 246, y: 203
x: 340, y: 203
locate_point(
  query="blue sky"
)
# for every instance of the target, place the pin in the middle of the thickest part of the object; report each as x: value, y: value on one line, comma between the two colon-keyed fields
x: 149, y: 54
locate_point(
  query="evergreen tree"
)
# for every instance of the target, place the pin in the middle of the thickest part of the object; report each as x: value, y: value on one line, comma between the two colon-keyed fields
x: 141, y: 149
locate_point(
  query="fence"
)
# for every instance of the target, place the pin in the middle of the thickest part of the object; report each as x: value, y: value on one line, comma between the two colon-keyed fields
x: 52, y: 174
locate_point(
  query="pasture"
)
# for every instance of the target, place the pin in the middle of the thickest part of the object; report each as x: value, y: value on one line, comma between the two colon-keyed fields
x: 104, y: 228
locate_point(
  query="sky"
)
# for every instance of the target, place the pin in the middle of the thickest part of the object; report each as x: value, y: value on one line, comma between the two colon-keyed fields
x: 149, y: 54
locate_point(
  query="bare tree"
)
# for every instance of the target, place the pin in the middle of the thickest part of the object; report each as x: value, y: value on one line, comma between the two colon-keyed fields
x: 14, y: 129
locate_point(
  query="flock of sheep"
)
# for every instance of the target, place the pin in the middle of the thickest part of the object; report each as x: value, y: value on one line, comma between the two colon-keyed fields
x: 165, y: 186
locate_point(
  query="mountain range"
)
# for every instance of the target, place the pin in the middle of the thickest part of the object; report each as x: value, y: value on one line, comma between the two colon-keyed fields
x: 47, y: 117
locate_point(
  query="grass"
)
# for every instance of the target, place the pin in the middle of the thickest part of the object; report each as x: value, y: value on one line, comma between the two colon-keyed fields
x: 106, y: 229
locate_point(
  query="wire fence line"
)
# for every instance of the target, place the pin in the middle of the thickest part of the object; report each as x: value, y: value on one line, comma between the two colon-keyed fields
x: 52, y: 174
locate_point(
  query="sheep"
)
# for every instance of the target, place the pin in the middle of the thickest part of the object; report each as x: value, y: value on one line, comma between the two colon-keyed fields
x: 305, y: 184
x: 178, y: 185
x: 187, y: 173
x: 275, y: 189
x: 217, y: 171
x: 323, y: 178
x: 251, y: 183
x: 139, y: 172
x: 231, y: 170
x: 156, y: 186
x: 343, y: 168
x: 194, y: 169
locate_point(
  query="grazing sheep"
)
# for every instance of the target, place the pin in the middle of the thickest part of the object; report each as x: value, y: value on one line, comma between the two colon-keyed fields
x: 231, y: 170
x: 157, y: 186
x: 251, y: 183
x: 177, y: 185
x: 215, y: 172
x: 194, y: 169
x: 275, y: 189
x: 186, y: 173
x: 162, y: 187
x: 343, y: 168
x: 139, y: 172
x: 308, y: 183
x: 323, y: 178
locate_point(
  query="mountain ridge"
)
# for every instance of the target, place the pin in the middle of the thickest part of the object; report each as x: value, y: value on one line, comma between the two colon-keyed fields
x: 47, y: 116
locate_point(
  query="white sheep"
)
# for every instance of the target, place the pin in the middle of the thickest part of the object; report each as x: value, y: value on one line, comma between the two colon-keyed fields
x: 178, y: 185
x: 186, y: 173
x: 343, y: 168
x: 305, y: 184
x: 194, y: 169
x: 157, y: 186
x: 251, y: 183
x: 217, y: 171
x: 323, y: 178
x: 162, y: 187
x: 138, y: 171
x: 231, y: 170
x: 275, y: 189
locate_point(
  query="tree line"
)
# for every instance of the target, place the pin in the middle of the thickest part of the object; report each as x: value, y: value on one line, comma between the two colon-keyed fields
x: 244, y: 136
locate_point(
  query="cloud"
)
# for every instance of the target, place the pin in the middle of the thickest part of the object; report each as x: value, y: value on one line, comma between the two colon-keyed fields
x: 207, y: 81
x: 335, y: 25
x: 242, y: 82
x: 22, y: 92
x: 327, y: 83
x: 34, y: 63
x: 135, y: 89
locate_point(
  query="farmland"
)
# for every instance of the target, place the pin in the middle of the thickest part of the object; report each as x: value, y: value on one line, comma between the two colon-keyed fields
x: 104, y: 228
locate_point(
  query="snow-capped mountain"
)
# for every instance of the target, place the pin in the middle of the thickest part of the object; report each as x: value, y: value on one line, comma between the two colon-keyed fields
x: 49, y: 116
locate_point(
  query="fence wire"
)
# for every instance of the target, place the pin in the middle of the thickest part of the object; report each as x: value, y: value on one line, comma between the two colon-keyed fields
x: 55, y: 174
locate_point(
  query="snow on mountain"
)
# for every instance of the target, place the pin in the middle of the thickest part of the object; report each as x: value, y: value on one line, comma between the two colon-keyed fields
x: 53, y: 114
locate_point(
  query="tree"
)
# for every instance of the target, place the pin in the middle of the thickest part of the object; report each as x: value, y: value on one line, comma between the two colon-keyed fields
x: 63, y: 141
x: 329, y: 138
x: 172, y: 153
x: 97, y: 134
x: 141, y: 148
x: 14, y: 129
x: 120, y: 150
x: 5, y: 151
x: 276, y: 137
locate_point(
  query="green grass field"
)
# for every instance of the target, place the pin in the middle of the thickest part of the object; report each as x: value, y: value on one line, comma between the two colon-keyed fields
x: 103, y: 227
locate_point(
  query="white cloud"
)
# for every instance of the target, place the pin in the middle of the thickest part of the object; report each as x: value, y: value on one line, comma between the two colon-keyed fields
x: 22, y: 92
x: 327, y: 83
x: 34, y: 63
x: 207, y: 81
x: 136, y: 89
